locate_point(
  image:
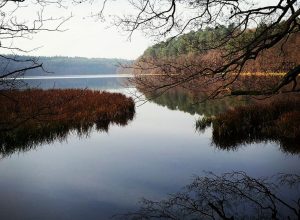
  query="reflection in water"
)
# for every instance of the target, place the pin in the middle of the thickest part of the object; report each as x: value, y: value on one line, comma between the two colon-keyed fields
x: 274, y: 120
x: 98, y: 82
x: 101, y: 82
x: 97, y: 177
x: 239, y: 120
x: 228, y: 196
x: 33, y: 117
x: 187, y: 101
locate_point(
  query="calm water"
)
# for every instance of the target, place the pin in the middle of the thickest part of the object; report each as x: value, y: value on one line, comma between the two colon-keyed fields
x: 104, y: 174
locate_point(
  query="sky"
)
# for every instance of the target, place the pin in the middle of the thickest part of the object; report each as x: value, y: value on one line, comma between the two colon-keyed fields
x: 83, y: 36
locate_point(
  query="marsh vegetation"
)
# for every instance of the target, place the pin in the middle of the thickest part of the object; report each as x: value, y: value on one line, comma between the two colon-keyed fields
x: 274, y: 119
x: 32, y: 117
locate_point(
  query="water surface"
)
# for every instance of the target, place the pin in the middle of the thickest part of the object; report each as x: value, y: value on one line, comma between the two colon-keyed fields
x: 103, y: 174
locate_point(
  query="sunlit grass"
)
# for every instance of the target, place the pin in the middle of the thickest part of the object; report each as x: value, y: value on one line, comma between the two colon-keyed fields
x: 262, y: 73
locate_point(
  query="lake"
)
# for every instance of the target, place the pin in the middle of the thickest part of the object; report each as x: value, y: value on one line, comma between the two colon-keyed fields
x: 102, y: 174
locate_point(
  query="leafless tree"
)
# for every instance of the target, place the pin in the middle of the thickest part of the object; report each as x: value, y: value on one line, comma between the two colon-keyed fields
x: 228, y: 196
x: 172, y: 18
x: 15, y: 26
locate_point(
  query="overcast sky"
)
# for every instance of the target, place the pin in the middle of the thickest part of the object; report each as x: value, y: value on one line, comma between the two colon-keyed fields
x: 85, y: 36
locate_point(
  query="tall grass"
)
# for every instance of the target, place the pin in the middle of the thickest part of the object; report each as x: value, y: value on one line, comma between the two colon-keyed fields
x: 276, y: 120
x: 32, y: 117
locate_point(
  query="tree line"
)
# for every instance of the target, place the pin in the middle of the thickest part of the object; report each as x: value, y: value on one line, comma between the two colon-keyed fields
x: 204, y: 43
x: 60, y: 65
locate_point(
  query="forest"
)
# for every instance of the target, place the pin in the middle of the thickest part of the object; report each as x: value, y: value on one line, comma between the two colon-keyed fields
x: 198, y: 45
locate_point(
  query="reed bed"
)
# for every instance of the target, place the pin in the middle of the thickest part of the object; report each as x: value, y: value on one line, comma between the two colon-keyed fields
x: 32, y: 117
x: 275, y: 120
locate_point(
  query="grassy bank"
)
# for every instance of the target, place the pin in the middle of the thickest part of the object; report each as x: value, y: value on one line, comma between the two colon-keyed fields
x: 32, y: 117
x: 275, y: 120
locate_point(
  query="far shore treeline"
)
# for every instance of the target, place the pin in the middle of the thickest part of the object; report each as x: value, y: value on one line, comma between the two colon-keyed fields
x: 60, y: 65
x: 196, y: 47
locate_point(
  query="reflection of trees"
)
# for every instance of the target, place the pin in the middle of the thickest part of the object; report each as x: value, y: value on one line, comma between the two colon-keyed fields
x: 186, y: 101
x: 91, y: 83
x: 228, y: 196
x: 35, y: 117
x: 272, y: 120
x: 235, y: 122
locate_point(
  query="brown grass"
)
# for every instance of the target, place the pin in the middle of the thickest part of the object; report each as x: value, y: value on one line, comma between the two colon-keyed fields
x: 276, y: 120
x: 31, y: 117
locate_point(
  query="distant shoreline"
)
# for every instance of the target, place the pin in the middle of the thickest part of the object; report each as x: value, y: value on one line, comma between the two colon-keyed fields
x: 73, y: 77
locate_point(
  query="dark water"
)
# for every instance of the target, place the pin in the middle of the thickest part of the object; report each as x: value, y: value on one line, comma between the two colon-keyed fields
x: 103, y: 174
